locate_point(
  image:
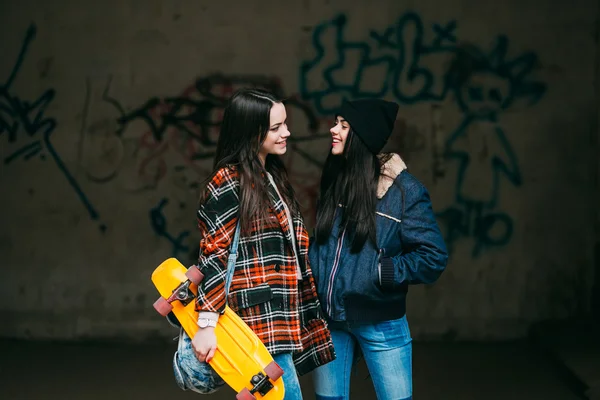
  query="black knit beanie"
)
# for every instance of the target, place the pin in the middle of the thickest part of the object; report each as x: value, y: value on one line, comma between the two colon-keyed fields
x: 371, y: 120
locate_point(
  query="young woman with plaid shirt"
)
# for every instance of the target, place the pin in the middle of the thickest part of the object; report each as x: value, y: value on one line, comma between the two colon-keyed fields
x: 272, y: 289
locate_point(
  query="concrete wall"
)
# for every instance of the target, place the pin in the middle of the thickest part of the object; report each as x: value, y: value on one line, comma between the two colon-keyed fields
x: 110, y: 114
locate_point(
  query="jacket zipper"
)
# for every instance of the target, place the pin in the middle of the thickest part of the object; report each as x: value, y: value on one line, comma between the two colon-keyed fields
x: 336, y: 263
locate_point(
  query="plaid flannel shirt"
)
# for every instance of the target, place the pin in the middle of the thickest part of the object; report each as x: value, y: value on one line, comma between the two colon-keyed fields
x: 265, y: 292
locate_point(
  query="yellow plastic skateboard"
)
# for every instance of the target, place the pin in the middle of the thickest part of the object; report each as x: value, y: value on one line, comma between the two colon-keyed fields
x: 241, y: 359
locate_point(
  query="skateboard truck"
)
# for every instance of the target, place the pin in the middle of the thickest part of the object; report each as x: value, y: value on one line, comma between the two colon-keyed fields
x: 260, y: 382
x: 182, y: 292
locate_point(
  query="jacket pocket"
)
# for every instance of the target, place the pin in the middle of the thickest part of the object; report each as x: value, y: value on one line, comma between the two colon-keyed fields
x: 249, y: 297
x: 380, y: 254
x: 385, y: 271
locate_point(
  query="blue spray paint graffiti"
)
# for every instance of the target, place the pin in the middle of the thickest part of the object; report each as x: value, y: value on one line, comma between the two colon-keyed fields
x: 404, y: 75
x: 159, y: 224
x: 19, y: 115
x: 483, y: 84
x: 399, y: 61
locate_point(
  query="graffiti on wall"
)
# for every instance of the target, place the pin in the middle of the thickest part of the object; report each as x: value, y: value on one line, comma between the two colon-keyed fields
x: 189, y: 123
x: 27, y: 127
x: 396, y: 62
x: 159, y: 223
x: 175, y: 141
x: 172, y: 139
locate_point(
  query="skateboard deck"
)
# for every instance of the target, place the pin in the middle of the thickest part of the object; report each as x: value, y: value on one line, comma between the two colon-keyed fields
x: 241, y: 359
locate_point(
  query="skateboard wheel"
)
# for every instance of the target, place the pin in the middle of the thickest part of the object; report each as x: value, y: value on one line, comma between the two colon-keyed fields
x: 163, y: 306
x: 245, y: 394
x: 194, y: 275
x: 273, y: 371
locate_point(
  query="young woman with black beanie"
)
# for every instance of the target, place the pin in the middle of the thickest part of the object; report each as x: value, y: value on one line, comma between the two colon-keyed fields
x: 376, y: 234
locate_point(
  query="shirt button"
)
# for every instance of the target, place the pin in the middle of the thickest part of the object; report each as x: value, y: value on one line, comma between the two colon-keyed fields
x: 277, y: 267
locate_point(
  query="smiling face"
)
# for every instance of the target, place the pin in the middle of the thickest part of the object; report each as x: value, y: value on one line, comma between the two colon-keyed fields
x: 339, y: 134
x: 276, y: 140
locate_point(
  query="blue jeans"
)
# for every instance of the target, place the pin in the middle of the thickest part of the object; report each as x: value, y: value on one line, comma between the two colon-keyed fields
x: 290, y: 377
x: 387, y: 349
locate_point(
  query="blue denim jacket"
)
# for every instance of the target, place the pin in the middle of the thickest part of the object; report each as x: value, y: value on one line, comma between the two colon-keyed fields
x: 371, y: 285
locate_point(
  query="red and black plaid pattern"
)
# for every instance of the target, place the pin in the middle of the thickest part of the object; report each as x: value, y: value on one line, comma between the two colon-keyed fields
x: 265, y: 291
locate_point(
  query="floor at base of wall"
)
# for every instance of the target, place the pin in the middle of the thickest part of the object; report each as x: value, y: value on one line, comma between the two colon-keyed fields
x: 574, y: 347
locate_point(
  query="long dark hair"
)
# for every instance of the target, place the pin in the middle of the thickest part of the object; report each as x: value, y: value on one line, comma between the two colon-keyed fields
x: 349, y: 182
x: 246, y: 123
